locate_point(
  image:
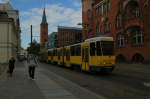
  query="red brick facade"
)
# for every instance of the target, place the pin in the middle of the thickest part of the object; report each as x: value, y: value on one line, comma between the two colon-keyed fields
x: 43, y: 31
x: 68, y: 36
x: 127, y: 21
x: 87, y: 18
x: 44, y: 34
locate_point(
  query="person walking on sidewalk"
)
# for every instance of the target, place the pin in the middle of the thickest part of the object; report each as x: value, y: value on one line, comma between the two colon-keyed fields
x: 11, y: 66
x: 32, y: 63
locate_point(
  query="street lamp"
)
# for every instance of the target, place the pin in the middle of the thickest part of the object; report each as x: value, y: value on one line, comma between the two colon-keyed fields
x: 85, y: 30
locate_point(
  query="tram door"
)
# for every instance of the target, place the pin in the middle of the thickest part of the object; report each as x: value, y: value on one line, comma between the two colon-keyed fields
x: 68, y: 58
x: 85, y: 59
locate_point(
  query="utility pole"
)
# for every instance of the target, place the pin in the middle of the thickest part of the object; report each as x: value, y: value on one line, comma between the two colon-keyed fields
x: 31, y: 35
x: 31, y: 40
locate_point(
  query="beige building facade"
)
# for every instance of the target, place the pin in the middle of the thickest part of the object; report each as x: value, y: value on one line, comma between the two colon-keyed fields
x: 9, y: 32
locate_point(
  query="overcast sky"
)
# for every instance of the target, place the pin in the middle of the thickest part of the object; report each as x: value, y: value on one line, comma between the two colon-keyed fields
x: 58, y: 12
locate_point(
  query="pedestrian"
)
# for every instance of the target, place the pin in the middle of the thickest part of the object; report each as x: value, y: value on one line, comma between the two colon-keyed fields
x: 11, y: 66
x: 32, y: 63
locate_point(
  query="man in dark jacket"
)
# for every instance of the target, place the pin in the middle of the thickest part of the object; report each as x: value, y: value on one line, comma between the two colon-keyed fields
x: 11, y: 66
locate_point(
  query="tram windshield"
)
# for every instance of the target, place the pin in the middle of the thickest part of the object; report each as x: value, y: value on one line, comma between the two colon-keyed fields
x: 105, y: 48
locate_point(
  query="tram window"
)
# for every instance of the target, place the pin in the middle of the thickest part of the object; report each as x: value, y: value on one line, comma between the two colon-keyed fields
x: 72, y: 51
x: 55, y: 52
x: 49, y: 53
x: 98, y: 48
x: 108, y: 47
x: 58, y: 54
x: 92, y: 49
x: 82, y: 54
x: 67, y: 55
x: 64, y: 52
x: 78, y: 50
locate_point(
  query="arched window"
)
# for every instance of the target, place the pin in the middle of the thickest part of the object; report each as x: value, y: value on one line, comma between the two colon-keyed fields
x: 132, y: 10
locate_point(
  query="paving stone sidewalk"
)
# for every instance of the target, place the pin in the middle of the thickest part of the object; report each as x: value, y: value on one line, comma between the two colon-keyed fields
x: 43, y: 87
x: 20, y: 87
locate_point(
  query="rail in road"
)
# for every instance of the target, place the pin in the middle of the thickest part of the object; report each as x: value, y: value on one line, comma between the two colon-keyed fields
x: 121, y: 83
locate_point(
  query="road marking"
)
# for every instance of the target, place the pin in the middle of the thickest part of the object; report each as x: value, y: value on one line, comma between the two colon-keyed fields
x: 147, y: 84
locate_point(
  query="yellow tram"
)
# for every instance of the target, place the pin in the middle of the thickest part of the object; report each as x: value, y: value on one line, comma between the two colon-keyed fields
x: 98, y: 54
x: 94, y: 54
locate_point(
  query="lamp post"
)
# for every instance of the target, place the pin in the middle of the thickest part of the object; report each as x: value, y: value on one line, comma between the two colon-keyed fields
x: 85, y: 30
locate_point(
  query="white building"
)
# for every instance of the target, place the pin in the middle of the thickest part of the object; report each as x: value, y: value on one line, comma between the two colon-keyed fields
x: 9, y: 32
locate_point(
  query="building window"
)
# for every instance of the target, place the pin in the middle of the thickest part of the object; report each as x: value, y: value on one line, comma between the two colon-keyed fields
x: 103, y: 8
x: 96, y: 12
x: 132, y: 10
x: 119, y: 21
x: 137, y: 12
x: 108, y: 5
x: 107, y: 26
x: 121, y: 41
x: 137, y: 37
x: 97, y: 28
x: 100, y: 10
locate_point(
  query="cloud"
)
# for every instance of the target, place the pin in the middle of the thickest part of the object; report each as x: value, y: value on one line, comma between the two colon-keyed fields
x: 4, y: 1
x: 57, y: 15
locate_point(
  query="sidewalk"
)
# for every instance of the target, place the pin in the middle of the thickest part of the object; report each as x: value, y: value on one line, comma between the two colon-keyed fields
x: 43, y: 87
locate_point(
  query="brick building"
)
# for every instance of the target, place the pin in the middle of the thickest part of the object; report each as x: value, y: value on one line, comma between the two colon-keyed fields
x: 87, y: 18
x: 68, y: 35
x: 127, y: 21
x: 43, y: 31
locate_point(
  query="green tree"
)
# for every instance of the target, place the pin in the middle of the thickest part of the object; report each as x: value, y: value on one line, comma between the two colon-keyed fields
x: 34, y: 48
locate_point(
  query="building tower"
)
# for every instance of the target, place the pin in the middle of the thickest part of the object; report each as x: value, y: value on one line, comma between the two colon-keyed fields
x: 43, y: 30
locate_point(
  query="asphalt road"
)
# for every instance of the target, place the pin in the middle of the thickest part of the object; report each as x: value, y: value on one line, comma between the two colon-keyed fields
x: 126, y: 82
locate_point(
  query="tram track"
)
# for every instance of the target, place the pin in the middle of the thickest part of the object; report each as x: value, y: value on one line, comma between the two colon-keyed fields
x: 118, y: 84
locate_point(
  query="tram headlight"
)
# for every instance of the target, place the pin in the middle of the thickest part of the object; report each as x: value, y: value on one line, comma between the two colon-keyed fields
x: 104, y: 62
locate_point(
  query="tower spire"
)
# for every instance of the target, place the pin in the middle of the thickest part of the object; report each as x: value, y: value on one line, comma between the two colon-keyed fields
x: 43, y: 30
x: 44, y: 20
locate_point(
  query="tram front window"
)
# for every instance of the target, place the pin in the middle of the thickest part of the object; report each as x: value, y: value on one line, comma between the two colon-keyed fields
x: 107, y: 48
x: 98, y: 49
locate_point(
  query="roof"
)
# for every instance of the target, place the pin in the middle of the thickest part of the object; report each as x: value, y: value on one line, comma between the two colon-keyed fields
x: 6, y: 6
x: 44, y: 20
x: 99, y: 39
x: 65, y: 27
